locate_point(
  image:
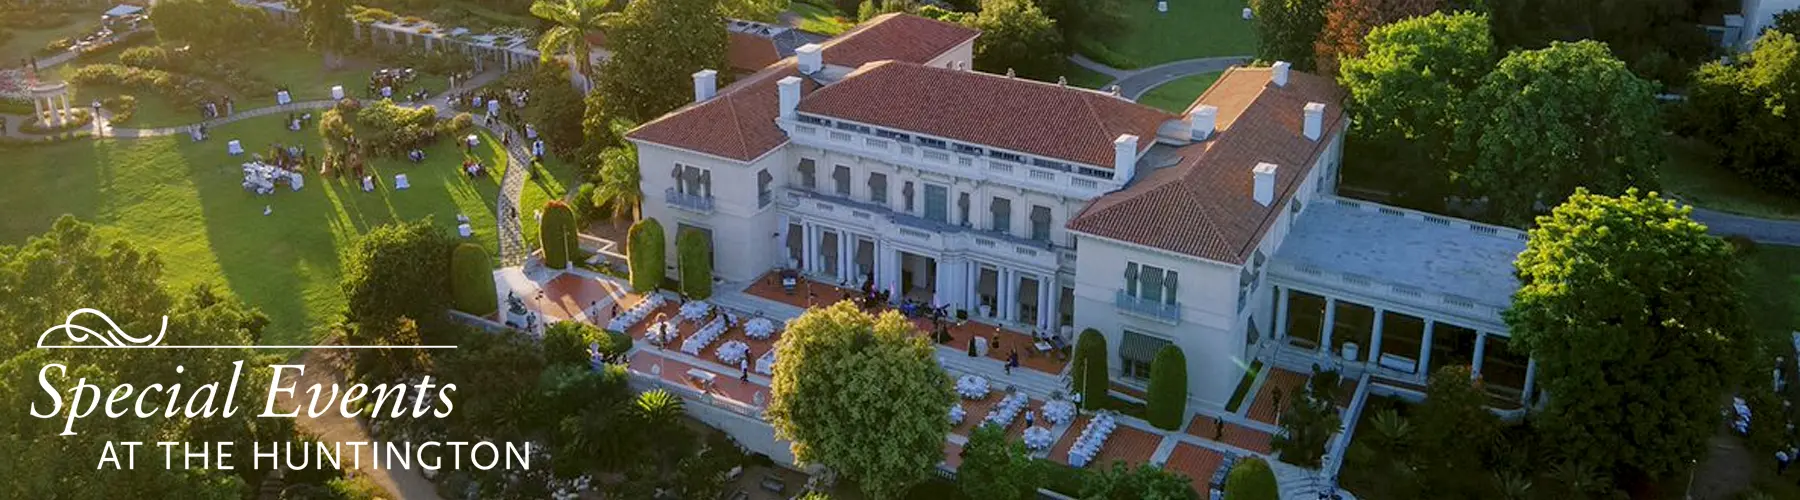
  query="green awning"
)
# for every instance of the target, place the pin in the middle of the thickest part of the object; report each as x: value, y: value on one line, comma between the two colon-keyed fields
x: 1140, y: 347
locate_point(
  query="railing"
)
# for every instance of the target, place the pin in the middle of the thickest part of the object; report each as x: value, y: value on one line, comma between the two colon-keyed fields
x: 950, y: 162
x: 1356, y: 282
x: 1151, y: 309
x: 686, y: 201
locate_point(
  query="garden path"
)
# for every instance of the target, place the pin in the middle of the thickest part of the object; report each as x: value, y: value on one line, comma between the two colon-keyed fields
x: 1133, y: 83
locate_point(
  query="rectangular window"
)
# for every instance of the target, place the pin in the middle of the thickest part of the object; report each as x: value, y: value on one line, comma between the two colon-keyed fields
x: 1000, y: 211
x: 937, y: 203
x: 808, y: 174
x: 1040, y: 223
x: 1136, y: 351
x: 878, y: 188
x: 841, y: 176
x: 962, y: 208
x: 906, y: 192
x: 1150, y: 283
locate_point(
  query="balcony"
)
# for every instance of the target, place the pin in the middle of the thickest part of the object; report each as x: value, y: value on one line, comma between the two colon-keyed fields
x: 689, y: 202
x: 1148, y: 309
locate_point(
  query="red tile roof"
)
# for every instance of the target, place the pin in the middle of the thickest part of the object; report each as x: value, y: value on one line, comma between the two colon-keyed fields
x: 1022, y: 115
x: 1203, y: 206
x: 747, y: 52
x: 739, y: 123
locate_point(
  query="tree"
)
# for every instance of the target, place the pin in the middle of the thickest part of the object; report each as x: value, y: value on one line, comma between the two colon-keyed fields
x: 1083, y: 19
x: 1348, y: 22
x: 1251, y: 479
x: 1016, y: 36
x: 841, y: 375
x: 1633, y: 314
x: 1748, y: 107
x: 472, y: 280
x: 695, y: 253
x: 1455, y: 429
x: 1309, y: 421
x: 397, y: 270
x: 205, y: 24
x: 1091, y: 379
x: 618, y: 185
x: 993, y: 467
x: 1546, y: 122
x: 327, y: 26
x: 657, y: 47
x: 1658, y: 39
x: 645, y: 243
x: 1286, y: 30
x: 566, y: 342
x: 1167, y: 397
x: 571, y: 21
x: 1787, y: 21
x: 1123, y: 482
x: 555, y: 109
x: 1408, y: 94
x: 557, y: 235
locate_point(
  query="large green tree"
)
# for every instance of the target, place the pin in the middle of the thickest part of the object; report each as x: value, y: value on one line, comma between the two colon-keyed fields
x: 399, y: 270
x: 1124, y: 482
x: 1287, y: 29
x: 555, y: 109
x: 1083, y: 19
x: 1633, y: 315
x: 570, y: 22
x: 1453, y: 430
x: 1089, y: 373
x: 327, y: 26
x: 1167, y: 397
x: 618, y: 189
x: 694, y: 256
x: 1017, y: 36
x: 204, y: 24
x: 1251, y: 479
x: 1749, y: 109
x: 1348, y: 22
x: 1546, y: 122
x: 1658, y: 39
x: 645, y: 256
x: 1309, y: 421
x: 656, y: 48
x: 861, y: 394
x: 1408, y: 94
x: 994, y: 467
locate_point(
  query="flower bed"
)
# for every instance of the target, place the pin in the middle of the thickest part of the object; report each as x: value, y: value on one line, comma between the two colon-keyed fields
x: 174, y: 86
x: 82, y: 118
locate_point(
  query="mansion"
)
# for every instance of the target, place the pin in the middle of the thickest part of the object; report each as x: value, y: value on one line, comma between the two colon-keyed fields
x: 1040, y: 207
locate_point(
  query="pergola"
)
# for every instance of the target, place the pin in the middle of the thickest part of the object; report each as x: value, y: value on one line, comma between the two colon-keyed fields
x: 46, y: 99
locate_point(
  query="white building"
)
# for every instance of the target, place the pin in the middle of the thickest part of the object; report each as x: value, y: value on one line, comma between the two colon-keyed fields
x: 1759, y: 15
x: 879, y: 154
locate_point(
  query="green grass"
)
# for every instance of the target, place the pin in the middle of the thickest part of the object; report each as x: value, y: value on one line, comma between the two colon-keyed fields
x: 1243, y: 387
x: 821, y: 20
x: 1191, y: 29
x: 1772, y: 287
x: 1694, y: 173
x: 1085, y: 78
x: 25, y: 43
x: 1176, y: 95
x: 184, y: 200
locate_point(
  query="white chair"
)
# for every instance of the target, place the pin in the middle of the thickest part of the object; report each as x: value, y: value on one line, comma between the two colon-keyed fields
x: 337, y: 92
x: 400, y: 182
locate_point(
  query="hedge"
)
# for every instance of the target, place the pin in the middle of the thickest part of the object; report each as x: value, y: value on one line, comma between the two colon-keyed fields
x: 472, y: 280
x: 176, y: 87
x: 695, y: 258
x: 557, y: 234
x: 1251, y: 479
x: 1090, y: 359
x: 645, y: 247
x: 1167, y: 397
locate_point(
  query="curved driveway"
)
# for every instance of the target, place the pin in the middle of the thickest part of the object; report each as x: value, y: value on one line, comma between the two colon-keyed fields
x: 1771, y: 231
x: 1134, y: 83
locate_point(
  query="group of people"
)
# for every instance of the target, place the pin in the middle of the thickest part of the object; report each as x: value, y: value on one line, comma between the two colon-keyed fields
x: 287, y: 157
x: 383, y: 81
x: 296, y: 123
x: 218, y: 107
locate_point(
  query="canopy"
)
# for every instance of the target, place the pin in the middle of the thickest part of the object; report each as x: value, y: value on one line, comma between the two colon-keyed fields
x: 124, y: 10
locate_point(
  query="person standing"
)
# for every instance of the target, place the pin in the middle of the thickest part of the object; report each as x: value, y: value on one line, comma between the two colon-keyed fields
x: 1782, y: 460
x: 744, y: 367
x: 1029, y: 418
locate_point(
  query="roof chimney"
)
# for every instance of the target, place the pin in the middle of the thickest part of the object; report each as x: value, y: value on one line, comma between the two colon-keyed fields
x: 1202, y: 120
x: 1315, y: 120
x: 1281, y: 73
x: 706, y: 85
x: 1125, y: 150
x: 1264, y: 192
x: 789, y: 93
x: 811, y: 58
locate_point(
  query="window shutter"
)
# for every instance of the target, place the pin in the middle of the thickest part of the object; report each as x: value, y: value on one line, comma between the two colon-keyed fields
x: 1169, y: 281
x: 1131, y: 276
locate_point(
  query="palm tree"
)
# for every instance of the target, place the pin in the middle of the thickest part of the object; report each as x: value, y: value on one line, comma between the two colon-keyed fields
x: 1391, y: 430
x: 616, y: 188
x: 573, y: 20
x: 658, y: 408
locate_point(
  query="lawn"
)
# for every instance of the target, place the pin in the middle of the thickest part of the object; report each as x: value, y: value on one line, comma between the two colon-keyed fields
x: 1083, y: 77
x: 183, y: 200
x: 1176, y: 95
x: 25, y: 43
x: 820, y: 20
x: 1191, y: 29
x: 1694, y: 173
x: 1772, y: 287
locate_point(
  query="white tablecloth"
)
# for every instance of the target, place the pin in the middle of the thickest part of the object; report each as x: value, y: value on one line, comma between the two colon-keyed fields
x: 765, y: 364
x: 1008, y: 410
x: 1059, y: 412
x: 1092, y: 438
x: 732, y: 352
x: 631, y: 317
x: 661, y: 333
x: 759, y: 328
x: 957, y: 414
x: 1037, y: 438
x: 972, y: 387
x: 696, y: 310
x: 704, y: 337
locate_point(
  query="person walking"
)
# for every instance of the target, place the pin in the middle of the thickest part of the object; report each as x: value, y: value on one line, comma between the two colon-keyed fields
x: 744, y: 367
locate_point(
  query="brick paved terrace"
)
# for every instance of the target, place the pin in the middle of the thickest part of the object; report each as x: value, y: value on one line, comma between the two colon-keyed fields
x: 1127, y: 444
x: 1197, y: 463
x: 1264, y: 409
x: 1205, y: 427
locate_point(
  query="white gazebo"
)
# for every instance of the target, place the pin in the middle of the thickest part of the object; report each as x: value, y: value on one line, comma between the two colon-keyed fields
x: 51, y: 103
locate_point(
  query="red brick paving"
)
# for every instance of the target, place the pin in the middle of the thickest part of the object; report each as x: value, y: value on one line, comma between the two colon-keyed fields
x: 1204, y: 427
x: 952, y: 454
x: 1127, y: 444
x: 1263, y: 408
x: 566, y: 296
x: 975, y: 410
x: 1059, y: 452
x: 1197, y: 463
x: 725, y: 385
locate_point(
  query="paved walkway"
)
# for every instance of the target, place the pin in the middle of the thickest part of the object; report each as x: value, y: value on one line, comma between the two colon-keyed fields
x: 1771, y: 231
x: 1134, y: 83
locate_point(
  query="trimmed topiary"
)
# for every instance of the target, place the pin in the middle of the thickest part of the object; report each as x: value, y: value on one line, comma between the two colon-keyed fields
x: 472, y: 280
x: 557, y: 234
x: 645, y: 251
x: 694, y: 254
x: 1091, y: 379
x: 1251, y: 479
x: 1167, y: 398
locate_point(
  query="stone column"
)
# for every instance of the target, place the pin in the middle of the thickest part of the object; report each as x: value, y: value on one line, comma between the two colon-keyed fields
x: 808, y: 249
x: 1055, y: 296
x: 1327, y: 326
x: 893, y: 255
x: 1530, y: 379
x: 1045, y: 310
x: 1480, y: 352
x: 37, y: 108
x: 1425, y: 349
x: 846, y: 244
x: 66, y: 116
x: 972, y: 287
x: 1009, y: 298
x: 1375, y: 336
x: 1281, y: 313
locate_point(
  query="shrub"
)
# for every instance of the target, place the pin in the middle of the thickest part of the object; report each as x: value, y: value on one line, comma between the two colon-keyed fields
x: 556, y: 233
x: 1167, y: 397
x: 218, y: 69
x: 645, y: 247
x: 390, y: 129
x: 472, y: 280
x: 363, y: 14
x: 458, y: 124
x: 1091, y: 379
x: 121, y: 106
x: 124, y: 41
x: 614, y: 345
x: 695, y: 260
x: 145, y: 57
x: 1251, y: 479
x: 566, y: 342
x: 175, y: 87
